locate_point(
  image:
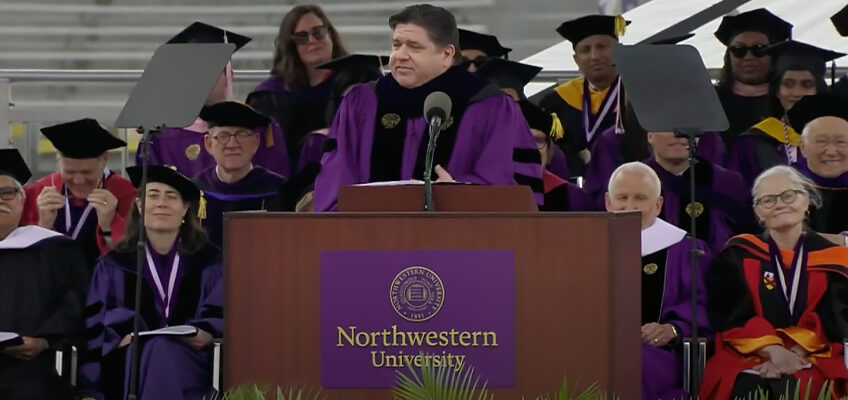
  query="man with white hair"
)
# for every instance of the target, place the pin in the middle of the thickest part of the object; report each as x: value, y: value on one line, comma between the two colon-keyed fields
x: 823, y: 121
x: 83, y: 199
x: 666, y: 280
x: 43, y: 279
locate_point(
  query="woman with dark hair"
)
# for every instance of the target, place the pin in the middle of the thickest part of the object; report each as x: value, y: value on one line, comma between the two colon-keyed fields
x: 798, y: 71
x: 182, y: 291
x: 777, y: 301
x: 297, y: 92
x: 348, y: 71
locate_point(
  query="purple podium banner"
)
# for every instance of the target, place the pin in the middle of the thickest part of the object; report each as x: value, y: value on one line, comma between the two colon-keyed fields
x: 382, y: 311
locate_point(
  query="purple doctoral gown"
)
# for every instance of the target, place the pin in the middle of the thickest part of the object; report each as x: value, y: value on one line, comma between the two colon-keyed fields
x: 184, y: 149
x: 666, y: 298
x: 256, y: 191
x: 832, y: 216
x: 311, y: 150
x: 169, y: 369
x: 723, y: 195
x: 607, y: 156
x: 755, y: 151
x: 493, y: 145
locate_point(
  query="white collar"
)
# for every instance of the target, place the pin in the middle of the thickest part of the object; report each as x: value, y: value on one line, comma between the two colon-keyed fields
x: 660, y: 235
x: 26, y: 236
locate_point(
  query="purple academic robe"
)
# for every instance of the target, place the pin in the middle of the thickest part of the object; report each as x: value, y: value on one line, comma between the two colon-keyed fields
x: 607, y: 156
x: 169, y: 369
x: 256, y: 191
x: 754, y: 152
x: 558, y: 165
x: 311, y: 150
x: 723, y: 194
x: 491, y: 133
x: 832, y: 216
x: 184, y: 149
x: 662, y: 368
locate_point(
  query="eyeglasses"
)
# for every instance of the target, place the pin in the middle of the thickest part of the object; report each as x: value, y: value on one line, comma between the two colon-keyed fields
x: 9, y: 193
x: 318, y: 32
x: 741, y: 51
x: 224, y: 138
x: 787, y: 197
x: 465, y: 61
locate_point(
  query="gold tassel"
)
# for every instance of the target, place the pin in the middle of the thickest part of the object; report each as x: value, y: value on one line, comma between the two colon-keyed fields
x: 620, y: 25
x: 269, y: 137
x: 557, y: 132
x: 201, y: 207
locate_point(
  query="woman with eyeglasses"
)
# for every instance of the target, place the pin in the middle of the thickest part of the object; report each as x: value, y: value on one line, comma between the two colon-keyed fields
x: 297, y: 92
x: 799, y: 71
x: 778, y: 301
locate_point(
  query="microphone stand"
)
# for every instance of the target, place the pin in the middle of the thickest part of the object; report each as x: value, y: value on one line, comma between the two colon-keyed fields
x: 140, y: 252
x: 435, y: 128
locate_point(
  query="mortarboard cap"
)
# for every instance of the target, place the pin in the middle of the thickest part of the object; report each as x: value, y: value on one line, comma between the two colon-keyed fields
x: 672, y: 39
x: 356, y: 61
x: 489, y: 44
x: 541, y: 120
x: 759, y: 20
x: 12, y: 164
x: 508, y: 74
x: 840, y: 21
x: 233, y: 113
x: 810, y: 108
x: 578, y: 29
x: 792, y: 55
x: 171, y: 177
x: 199, y: 32
x: 83, y: 138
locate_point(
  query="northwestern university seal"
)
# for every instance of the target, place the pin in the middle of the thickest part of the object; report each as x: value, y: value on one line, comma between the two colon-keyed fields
x: 417, y: 294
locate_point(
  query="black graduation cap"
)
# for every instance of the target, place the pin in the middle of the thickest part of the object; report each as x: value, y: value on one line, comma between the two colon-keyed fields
x: 672, y: 39
x: 171, y: 177
x: 199, y: 32
x: 508, y: 74
x: 759, y: 20
x: 233, y: 113
x: 840, y: 21
x: 83, y: 138
x: 578, y: 29
x: 795, y: 55
x: 489, y: 44
x: 812, y: 107
x: 12, y: 164
x: 356, y: 61
x: 541, y: 120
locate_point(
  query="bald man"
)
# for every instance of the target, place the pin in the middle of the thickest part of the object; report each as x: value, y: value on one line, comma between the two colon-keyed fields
x: 666, y: 280
x: 823, y: 120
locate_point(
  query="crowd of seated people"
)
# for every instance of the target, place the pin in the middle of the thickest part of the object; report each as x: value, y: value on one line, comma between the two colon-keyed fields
x: 770, y: 201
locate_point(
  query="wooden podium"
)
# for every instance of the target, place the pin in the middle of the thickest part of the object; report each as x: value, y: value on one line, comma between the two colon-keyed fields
x: 577, y: 275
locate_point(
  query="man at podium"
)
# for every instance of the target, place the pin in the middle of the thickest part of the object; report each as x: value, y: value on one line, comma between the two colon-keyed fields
x: 380, y: 134
x: 666, y: 280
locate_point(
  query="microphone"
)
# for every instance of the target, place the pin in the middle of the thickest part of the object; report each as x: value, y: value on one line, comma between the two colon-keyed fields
x: 437, y: 108
x: 437, y: 105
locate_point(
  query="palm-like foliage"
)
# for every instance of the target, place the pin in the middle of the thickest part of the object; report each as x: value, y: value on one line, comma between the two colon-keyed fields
x: 570, y: 392
x: 257, y: 392
x: 440, y: 383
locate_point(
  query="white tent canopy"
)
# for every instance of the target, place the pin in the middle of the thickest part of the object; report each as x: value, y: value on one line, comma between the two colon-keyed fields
x: 811, y: 20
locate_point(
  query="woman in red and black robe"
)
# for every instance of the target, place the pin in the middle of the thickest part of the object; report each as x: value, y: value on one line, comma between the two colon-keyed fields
x: 779, y: 302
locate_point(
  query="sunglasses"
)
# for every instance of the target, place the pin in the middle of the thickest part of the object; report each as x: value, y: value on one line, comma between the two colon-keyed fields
x: 319, y: 32
x: 478, y: 62
x: 741, y: 51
